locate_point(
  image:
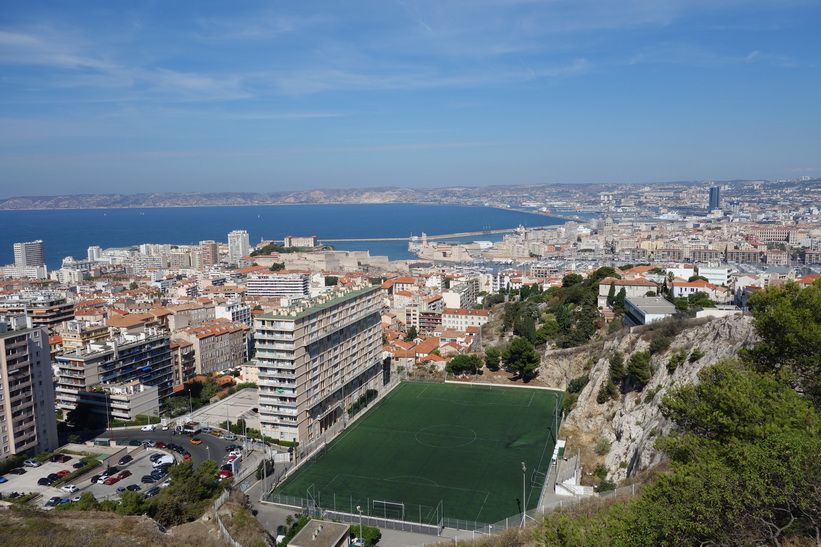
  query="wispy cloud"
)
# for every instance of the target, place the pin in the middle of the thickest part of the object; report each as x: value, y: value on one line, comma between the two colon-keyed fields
x: 699, y: 55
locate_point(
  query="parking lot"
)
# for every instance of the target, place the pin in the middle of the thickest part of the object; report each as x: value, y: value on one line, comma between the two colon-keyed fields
x: 139, y: 466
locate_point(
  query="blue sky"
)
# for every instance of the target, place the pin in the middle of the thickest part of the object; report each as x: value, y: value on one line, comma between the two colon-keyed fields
x: 100, y: 97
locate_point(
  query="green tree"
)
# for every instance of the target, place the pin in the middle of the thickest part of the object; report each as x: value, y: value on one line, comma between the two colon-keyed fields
x: 493, y: 357
x: 787, y: 320
x: 617, y: 369
x: 521, y: 356
x: 411, y: 334
x: 462, y: 364
x: 277, y: 266
x: 331, y: 280
x: 639, y: 371
x: 611, y: 294
x: 571, y: 279
x: 546, y: 331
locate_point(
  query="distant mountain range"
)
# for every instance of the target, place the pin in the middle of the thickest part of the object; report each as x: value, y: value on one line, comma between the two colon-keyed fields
x: 456, y: 194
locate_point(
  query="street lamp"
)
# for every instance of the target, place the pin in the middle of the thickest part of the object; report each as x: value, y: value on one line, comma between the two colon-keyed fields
x: 358, y: 508
x: 208, y: 451
x: 524, y: 489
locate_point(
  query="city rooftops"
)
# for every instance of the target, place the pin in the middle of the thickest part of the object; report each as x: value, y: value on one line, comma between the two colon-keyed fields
x: 312, y: 305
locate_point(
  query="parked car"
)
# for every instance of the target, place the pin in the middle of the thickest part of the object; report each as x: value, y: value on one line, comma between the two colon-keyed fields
x: 95, y: 478
x: 64, y: 458
x: 148, y: 479
x: 152, y: 492
x: 123, y: 474
x: 134, y: 442
x: 160, y: 444
x: 186, y: 456
x: 18, y: 471
x: 224, y: 474
x: 133, y: 487
x: 75, y: 499
x: 155, y: 457
x: 165, y: 427
x: 54, y: 477
x: 70, y: 488
x: 79, y: 464
x: 196, y: 440
x: 111, y: 471
x: 111, y: 480
x: 64, y: 472
x: 3, y: 479
x: 230, y: 437
x: 120, y: 489
x: 125, y: 459
x: 231, y: 447
x: 166, y: 483
x: 206, y: 430
x: 45, y: 481
x: 53, y: 501
x: 32, y: 463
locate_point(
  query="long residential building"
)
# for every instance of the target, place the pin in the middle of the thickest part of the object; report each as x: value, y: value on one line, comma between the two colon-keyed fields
x: 316, y: 359
x: 146, y: 358
x: 27, y: 418
x: 279, y: 284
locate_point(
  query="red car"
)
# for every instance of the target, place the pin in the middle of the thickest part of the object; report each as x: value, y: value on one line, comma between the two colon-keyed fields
x: 186, y: 456
x: 63, y: 472
x: 160, y: 444
x: 123, y: 474
x: 111, y: 480
x: 224, y: 474
x: 63, y: 458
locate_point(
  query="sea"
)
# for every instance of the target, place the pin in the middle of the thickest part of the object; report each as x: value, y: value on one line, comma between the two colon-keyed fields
x: 69, y: 232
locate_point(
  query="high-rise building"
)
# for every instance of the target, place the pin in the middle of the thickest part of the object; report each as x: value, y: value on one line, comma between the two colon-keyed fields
x: 209, y: 253
x: 715, y: 198
x: 27, y: 419
x: 94, y: 253
x: 29, y: 254
x: 238, y: 246
x: 316, y: 359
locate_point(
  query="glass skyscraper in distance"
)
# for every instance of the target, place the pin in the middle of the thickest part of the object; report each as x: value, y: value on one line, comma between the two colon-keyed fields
x: 715, y: 198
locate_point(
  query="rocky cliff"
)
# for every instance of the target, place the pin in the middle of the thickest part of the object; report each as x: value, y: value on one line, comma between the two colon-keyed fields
x: 631, y: 422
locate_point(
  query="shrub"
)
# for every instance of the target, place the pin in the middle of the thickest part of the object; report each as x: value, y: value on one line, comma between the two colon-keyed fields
x: 696, y: 355
x: 659, y: 344
x: 606, y: 486
x: 602, y: 447
x: 651, y: 393
x: 569, y: 401
x: 577, y: 384
x: 600, y: 471
x: 676, y: 360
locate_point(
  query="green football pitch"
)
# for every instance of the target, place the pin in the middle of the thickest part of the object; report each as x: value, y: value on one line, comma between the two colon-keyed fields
x: 433, y: 450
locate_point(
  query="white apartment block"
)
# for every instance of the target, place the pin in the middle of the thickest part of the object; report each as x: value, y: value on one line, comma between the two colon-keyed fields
x: 238, y: 246
x: 278, y: 284
x: 315, y: 359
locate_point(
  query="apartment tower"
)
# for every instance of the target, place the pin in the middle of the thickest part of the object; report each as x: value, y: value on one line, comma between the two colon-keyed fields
x: 316, y: 359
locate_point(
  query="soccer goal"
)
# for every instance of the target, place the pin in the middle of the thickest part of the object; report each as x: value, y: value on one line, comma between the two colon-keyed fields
x: 388, y: 509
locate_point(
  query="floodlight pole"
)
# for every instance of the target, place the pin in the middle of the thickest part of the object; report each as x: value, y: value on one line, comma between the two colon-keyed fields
x: 524, y: 489
x: 359, y: 508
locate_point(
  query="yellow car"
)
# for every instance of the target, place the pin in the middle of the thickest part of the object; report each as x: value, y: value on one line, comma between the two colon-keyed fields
x: 196, y: 440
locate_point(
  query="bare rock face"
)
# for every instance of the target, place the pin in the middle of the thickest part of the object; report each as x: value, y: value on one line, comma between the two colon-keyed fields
x: 631, y: 422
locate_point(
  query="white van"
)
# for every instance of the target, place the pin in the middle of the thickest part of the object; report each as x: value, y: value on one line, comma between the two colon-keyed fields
x: 167, y: 459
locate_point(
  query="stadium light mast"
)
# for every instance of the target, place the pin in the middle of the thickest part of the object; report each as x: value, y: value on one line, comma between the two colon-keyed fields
x: 359, y: 508
x: 524, y: 489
